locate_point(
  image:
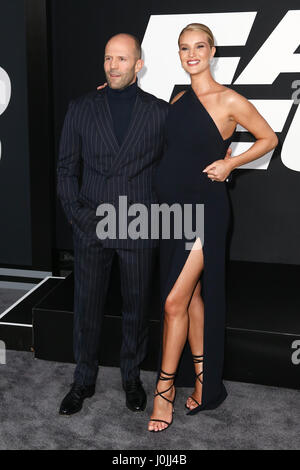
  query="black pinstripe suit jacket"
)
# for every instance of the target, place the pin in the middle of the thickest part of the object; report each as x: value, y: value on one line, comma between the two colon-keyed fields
x: 92, y: 167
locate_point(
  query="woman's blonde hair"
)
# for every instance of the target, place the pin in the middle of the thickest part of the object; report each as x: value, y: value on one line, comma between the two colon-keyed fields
x: 199, y: 27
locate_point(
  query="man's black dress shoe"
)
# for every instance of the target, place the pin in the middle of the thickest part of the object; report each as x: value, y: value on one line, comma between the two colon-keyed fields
x: 72, y: 403
x: 136, y: 397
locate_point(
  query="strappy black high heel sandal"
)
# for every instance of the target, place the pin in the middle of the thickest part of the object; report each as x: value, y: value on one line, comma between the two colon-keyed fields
x: 197, y: 360
x: 170, y: 377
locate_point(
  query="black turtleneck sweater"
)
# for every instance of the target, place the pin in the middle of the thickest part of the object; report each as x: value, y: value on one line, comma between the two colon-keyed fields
x: 121, y: 104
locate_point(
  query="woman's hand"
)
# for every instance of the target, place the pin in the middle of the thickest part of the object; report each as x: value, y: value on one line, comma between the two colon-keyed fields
x: 220, y: 169
x: 101, y: 86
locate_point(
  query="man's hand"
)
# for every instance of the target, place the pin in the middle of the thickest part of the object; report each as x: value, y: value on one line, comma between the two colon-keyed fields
x: 102, y: 86
x: 220, y: 169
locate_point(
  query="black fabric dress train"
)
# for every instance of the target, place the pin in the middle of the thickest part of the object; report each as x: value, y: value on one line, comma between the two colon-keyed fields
x: 193, y: 141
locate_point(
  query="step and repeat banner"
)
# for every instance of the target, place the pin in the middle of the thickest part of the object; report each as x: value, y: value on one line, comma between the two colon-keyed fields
x: 52, y: 52
x: 258, y: 55
x: 26, y: 150
x: 15, y: 234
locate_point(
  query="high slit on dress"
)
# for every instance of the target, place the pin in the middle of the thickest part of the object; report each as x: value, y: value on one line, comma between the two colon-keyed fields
x: 193, y: 141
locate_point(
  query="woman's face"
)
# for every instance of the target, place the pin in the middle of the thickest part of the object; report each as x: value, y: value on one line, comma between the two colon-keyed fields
x: 195, y: 51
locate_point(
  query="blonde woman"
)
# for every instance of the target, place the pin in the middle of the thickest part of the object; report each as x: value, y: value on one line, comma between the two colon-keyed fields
x: 200, y: 126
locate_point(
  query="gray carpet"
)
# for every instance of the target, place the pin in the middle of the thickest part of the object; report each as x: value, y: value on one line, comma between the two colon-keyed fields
x: 252, y: 417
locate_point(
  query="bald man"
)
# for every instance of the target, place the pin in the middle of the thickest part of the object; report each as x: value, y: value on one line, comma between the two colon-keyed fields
x: 116, y: 136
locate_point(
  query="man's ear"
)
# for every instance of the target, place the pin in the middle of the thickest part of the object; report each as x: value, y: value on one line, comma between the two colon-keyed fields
x: 139, y: 65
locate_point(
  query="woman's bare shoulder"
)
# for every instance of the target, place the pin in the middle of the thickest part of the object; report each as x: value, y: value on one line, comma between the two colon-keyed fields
x: 239, y: 108
x: 178, y: 96
x: 231, y: 97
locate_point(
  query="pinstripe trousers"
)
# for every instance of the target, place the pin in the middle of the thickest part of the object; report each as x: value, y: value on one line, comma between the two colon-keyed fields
x: 92, y: 267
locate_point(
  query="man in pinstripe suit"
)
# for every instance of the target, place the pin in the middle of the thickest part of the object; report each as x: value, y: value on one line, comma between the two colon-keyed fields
x: 110, y: 144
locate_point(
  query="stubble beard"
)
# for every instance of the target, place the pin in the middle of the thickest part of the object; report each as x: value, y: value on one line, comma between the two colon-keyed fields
x: 121, y: 83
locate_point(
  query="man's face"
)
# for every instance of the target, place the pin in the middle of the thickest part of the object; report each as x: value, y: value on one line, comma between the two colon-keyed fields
x: 120, y: 62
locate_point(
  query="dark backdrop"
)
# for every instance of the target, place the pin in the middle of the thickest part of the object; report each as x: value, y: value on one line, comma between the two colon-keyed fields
x: 15, y: 210
x: 27, y: 160
x: 265, y: 203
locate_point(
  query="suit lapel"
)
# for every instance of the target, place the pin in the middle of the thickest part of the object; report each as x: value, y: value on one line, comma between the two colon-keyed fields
x: 136, y: 126
x: 137, y: 123
x: 104, y: 121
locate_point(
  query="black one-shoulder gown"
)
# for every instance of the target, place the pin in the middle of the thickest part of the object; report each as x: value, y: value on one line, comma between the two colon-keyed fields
x: 193, y: 141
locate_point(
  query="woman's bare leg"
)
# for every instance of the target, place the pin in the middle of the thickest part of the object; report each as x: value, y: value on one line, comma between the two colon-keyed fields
x: 175, y: 332
x: 195, y: 337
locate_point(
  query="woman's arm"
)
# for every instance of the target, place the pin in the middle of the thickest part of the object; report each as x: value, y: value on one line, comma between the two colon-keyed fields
x: 245, y: 114
x: 242, y: 112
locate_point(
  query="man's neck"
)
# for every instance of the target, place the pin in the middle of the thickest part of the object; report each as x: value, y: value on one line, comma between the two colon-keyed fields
x: 129, y: 90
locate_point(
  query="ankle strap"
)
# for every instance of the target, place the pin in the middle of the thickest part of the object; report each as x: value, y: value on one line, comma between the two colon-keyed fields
x: 197, y: 359
x: 171, y: 376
